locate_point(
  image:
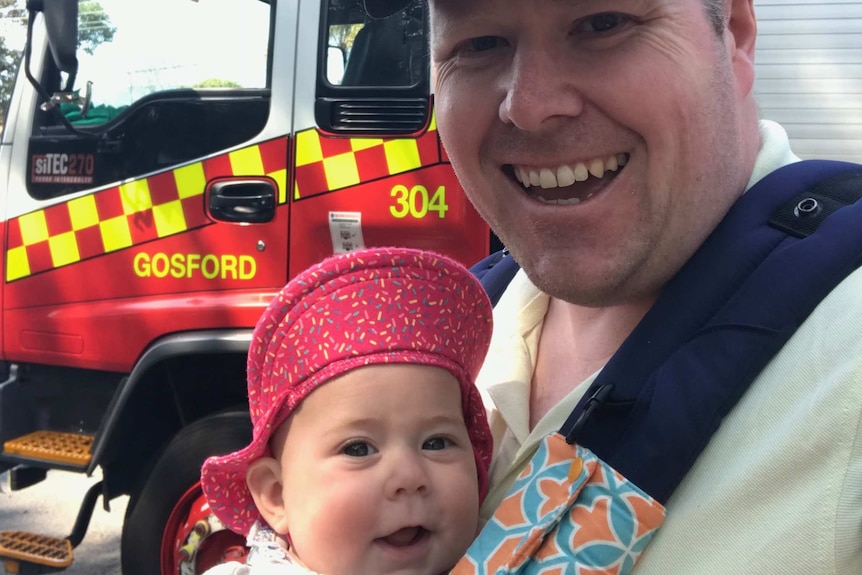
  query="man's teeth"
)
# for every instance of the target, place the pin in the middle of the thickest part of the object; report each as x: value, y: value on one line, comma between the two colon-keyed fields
x: 566, y: 175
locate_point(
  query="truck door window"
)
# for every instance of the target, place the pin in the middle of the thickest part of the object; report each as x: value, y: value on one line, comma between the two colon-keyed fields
x: 170, y: 81
x: 373, y: 78
x: 377, y: 52
x: 162, y: 45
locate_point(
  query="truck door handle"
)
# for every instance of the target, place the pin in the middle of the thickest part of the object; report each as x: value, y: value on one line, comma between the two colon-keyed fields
x: 247, y: 200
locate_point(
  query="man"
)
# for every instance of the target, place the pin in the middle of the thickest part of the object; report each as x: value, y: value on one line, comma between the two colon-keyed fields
x: 604, y: 141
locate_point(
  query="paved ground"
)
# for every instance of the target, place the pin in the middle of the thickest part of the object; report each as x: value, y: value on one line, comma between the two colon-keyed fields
x: 50, y: 508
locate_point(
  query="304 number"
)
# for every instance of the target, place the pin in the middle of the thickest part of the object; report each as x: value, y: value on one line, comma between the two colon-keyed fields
x: 417, y: 202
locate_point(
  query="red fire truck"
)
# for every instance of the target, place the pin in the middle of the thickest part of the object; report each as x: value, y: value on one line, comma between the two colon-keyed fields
x: 159, y: 184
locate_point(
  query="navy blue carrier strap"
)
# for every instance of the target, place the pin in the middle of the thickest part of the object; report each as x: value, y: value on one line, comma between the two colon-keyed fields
x: 495, y: 272
x: 656, y: 404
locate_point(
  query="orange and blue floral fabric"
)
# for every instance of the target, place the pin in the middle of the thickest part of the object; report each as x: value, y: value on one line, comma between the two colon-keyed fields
x: 568, y: 513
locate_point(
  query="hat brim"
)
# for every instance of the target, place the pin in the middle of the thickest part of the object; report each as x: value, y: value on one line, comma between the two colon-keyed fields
x: 223, y: 482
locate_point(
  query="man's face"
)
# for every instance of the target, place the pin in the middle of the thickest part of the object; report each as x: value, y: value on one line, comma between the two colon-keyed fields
x: 602, y: 140
x: 378, y: 474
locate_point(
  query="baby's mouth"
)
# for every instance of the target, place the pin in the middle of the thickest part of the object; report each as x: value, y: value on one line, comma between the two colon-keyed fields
x: 568, y: 184
x: 405, y: 536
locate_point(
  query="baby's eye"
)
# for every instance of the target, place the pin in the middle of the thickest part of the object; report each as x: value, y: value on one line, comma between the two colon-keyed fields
x: 436, y: 443
x: 358, y: 449
x: 602, y: 22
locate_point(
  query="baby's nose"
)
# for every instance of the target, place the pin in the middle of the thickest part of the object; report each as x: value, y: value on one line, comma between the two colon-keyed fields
x: 408, y: 475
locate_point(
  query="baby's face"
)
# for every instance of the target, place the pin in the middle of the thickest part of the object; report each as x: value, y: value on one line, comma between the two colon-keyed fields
x: 379, y: 475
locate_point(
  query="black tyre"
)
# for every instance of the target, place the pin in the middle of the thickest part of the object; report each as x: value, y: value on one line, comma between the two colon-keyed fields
x: 169, y: 490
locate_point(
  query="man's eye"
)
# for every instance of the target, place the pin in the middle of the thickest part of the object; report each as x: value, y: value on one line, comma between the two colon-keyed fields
x: 483, y: 43
x: 604, y: 22
x: 358, y: 449
x: 436, y: 444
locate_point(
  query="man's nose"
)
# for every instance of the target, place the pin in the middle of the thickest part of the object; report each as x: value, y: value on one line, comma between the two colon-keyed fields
x: 407, y: 475
x: 541, y: 85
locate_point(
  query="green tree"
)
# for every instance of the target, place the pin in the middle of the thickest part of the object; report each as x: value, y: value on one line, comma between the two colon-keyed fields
x: 14, y: 10
x: 94, y: 26
x: 216, y: 83
x: 8, y: 66
x: 343, y: 35
x: 9, y: 57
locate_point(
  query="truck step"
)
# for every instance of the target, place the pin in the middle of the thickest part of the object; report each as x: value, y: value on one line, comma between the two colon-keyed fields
x: 52, y: 446
x: 18, y: 548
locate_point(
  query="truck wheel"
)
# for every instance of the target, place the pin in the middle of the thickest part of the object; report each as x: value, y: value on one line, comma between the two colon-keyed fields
x: 165, y: 509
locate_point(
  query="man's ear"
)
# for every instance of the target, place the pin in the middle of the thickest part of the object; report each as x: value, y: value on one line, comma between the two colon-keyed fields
x: 741, y: 36
x: 264, y: 482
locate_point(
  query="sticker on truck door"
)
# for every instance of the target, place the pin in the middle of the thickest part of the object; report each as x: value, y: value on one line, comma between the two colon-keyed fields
x: 346, y: 231
x: 62, y: 168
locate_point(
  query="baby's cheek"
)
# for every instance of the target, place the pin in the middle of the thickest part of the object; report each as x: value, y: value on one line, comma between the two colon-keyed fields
x: 343, y: 522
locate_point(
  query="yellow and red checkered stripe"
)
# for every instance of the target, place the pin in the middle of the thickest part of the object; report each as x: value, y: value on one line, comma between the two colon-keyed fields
x: 124, y: 216
x: 325, y: 164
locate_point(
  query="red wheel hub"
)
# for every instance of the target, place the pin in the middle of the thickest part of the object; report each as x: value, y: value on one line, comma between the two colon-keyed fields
x: 194, y: 540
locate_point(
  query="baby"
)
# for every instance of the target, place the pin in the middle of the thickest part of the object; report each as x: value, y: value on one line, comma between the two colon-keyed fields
x: 370, y: 447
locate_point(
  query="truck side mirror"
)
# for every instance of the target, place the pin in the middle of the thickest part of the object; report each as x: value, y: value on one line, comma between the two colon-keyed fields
x: 61, y: 22
x: 61, y: 25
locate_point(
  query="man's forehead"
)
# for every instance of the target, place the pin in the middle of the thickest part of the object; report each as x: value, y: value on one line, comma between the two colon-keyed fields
x: 385, y: 8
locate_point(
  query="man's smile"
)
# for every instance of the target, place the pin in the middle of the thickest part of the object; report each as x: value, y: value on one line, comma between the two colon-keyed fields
x: 568, y: 183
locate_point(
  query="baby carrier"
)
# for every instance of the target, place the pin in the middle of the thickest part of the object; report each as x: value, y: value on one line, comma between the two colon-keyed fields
x: 593, y: 495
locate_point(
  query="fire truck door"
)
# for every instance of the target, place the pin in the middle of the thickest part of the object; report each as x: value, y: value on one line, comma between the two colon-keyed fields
x: 172, y: 185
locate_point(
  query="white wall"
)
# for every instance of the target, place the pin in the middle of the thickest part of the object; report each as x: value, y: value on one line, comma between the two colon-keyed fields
x: 809, y: 74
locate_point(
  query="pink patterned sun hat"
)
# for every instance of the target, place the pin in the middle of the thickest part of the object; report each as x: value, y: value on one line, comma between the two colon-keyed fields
x: 373, y: 306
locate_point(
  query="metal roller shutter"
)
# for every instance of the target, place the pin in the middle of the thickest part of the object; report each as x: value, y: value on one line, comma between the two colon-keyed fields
x: 809, y: 74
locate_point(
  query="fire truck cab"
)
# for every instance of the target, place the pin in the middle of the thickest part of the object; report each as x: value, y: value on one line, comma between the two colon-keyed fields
x: 165, y: 167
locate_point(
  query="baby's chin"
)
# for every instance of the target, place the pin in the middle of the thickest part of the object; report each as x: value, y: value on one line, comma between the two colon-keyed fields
x: 429, y: 568
x: 403, y: 553
x: 425, y: 570
x: 439, y: 567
